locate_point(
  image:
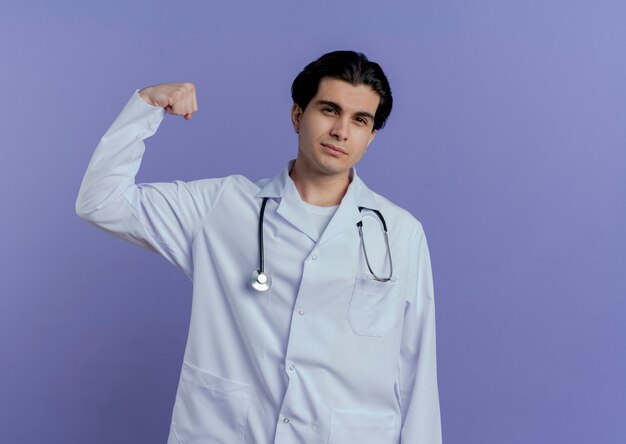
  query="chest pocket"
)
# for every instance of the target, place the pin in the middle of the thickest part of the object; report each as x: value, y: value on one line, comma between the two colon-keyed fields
x: 374, y: 306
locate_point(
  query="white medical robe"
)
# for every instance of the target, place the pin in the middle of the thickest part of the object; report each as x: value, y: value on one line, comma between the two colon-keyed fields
x: 327, y: 355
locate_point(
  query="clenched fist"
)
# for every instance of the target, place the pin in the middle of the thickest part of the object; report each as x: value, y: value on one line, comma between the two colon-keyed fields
x: 178, y: 99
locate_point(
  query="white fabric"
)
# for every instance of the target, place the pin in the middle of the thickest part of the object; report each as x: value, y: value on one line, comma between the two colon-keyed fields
x: 327, y: 355
x: 320, y: 216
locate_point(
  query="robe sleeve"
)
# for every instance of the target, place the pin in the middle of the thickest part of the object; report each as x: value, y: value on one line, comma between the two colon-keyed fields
x: 419, y: 396
x: 161, y: 217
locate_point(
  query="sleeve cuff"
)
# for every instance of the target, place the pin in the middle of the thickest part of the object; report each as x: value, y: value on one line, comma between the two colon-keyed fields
x: 137, y: 97
x: 140, y: 113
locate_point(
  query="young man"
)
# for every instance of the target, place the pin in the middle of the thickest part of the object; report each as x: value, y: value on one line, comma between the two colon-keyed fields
x: 313, y: 316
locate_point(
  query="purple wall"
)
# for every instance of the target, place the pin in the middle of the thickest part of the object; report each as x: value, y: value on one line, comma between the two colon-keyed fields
x: 508, y: 142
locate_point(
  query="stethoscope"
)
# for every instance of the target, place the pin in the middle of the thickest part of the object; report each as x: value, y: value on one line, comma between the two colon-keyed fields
x: 262, y: 281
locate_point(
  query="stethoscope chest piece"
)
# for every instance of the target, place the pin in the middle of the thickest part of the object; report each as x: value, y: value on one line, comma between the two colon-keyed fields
x: 260, y: 281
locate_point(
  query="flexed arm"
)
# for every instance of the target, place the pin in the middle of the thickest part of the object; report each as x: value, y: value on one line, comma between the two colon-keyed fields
x: 161, y: 217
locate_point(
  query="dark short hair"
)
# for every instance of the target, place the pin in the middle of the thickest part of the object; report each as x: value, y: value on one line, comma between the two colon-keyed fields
x: 352, y: 67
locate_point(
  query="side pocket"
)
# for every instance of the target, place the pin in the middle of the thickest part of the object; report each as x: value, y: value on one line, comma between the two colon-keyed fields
x: 209, y: 408
x: 348, y: 426
x: 374, y: 306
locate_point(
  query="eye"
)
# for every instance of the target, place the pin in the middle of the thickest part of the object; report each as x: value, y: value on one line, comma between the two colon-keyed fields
x: 361, y: 120
x: 329, y: 110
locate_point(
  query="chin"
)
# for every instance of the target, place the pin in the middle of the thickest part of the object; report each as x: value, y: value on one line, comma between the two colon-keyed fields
x: 334, y: 170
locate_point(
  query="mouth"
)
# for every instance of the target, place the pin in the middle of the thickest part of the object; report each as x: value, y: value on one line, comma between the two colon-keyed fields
x: 335, y: 150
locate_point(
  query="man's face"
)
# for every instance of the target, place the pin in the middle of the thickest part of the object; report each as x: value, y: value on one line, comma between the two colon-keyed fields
x: 335, y: 128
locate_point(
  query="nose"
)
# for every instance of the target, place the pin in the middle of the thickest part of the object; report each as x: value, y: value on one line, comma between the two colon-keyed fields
x: 339, y: 130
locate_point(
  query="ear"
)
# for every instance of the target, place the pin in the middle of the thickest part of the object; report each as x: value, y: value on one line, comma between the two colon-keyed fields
x: 371, y: 138
x: 296, y: 115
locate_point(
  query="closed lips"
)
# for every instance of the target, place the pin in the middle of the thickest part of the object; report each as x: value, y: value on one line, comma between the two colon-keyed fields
x: 333, y: 147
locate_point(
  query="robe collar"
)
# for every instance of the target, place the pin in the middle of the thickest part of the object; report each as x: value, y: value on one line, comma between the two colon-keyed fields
x: 292, y: 209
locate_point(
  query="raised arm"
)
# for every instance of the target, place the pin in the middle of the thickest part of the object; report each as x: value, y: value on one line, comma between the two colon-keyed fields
x: 161, y: 217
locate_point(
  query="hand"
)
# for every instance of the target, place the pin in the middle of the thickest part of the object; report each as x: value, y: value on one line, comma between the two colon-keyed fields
x: 178, y: 99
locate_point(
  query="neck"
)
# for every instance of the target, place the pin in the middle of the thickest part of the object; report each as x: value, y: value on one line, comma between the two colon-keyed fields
x: 324, y: 191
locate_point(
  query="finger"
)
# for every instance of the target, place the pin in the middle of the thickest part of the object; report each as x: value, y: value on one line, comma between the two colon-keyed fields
x: 180, y: 110
x: 188, y: 116
x: 190, y: 103
x: 195, y: 102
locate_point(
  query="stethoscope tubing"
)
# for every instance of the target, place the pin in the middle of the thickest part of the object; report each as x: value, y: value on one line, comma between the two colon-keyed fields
x: 261, y: 249
x: 367, y: 261
x: 261, y: 281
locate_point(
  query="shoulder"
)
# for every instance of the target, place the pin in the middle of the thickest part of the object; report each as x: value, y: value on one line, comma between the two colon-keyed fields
x: 234, y: 180
x: 212, y: 190
x: 399, y: 220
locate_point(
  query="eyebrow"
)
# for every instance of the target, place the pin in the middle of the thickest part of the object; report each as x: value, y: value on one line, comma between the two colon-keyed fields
x: 339, y: 108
